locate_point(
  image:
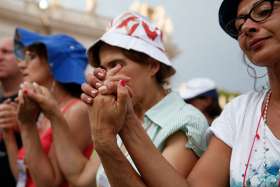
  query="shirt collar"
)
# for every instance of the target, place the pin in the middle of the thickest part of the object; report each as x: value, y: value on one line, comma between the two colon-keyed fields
x: 165, y: 108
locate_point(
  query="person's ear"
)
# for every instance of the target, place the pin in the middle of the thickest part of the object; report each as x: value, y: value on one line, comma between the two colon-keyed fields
x: 154, y: 67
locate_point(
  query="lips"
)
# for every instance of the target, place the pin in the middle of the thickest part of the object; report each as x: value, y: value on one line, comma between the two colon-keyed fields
x: 256, y: 43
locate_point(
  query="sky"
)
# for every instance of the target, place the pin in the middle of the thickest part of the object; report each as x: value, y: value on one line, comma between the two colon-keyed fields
x: 205, y: 50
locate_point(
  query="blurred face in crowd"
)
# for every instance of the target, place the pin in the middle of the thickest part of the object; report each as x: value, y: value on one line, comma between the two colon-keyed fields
x: 8, y: 65
x: 260, y: 40
x: 142, y: 74
x: 35, y: 67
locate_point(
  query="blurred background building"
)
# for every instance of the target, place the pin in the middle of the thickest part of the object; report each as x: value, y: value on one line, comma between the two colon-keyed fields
x: 50, y: 17
x: 193, y: 39
x: 56, y: 16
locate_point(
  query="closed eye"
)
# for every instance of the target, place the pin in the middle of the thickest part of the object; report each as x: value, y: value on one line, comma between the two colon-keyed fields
x: 113, y: 64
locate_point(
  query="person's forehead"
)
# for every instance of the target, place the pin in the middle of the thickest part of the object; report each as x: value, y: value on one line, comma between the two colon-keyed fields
x: 6, y: 43
x: 245, y: 6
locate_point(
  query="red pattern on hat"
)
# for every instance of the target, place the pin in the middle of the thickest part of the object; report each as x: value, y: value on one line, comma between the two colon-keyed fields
x: 151, y: 34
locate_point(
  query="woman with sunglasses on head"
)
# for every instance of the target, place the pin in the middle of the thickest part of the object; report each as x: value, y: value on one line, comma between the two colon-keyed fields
x: 244, y: 142
x: 55, y: 64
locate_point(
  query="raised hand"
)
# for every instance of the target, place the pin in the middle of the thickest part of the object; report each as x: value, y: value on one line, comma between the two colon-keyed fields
x: 101, y: 82
x: 41, y: 97
x: 108, y: 113
x: 28, y: 110
x: 8, y: 115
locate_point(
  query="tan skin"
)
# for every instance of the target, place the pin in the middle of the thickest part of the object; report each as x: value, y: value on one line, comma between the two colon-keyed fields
x: 80, y: 171
x: 10, y: 75
x: 10, y: 78
x: 206, y: 172
x: 141, y: 77
x: 267, y: 55
x: 37, y: 69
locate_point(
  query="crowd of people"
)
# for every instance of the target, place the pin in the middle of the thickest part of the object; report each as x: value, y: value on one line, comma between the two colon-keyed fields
x: 121, y: 125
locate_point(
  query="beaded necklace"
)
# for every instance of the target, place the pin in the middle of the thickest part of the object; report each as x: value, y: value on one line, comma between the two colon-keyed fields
x: 257, y: 136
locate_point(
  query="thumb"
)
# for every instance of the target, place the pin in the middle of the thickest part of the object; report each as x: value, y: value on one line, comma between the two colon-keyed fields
x: 7, y: 101
x: 32, y: 96
x: 122, y: 96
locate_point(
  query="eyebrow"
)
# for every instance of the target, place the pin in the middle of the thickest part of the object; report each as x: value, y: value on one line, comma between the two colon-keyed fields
x: 244, y: 14
x: 112, y: 61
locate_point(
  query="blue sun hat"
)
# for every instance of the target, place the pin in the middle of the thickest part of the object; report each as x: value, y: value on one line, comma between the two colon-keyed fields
x: 66, y: 56
x: 227, y: 12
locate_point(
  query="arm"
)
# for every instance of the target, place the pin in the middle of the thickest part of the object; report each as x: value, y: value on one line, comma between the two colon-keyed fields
x: 107, y: 117
x: 12, y: 150
x: 136, y: 140
x: 72, y: 136
x: 118, y: 170
x: 8, y: 123
x: 175, y: 152
x: 42, y: 167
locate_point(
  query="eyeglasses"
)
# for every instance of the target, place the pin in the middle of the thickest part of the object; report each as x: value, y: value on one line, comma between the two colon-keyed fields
x: 259, y: 13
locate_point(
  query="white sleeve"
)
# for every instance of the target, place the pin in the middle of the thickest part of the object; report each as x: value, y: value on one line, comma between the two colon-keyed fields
x: 224, y: 126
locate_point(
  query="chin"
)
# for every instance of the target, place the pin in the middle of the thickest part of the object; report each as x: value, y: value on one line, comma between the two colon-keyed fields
x: 265, y: 58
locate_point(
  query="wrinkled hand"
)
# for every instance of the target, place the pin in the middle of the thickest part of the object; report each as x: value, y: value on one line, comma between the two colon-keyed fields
x: 101, y: 82
x: 108, y: 114
x: 33, y: 99
x: 8, y: 115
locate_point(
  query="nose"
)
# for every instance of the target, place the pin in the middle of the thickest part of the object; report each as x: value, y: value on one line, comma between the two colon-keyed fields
x: 250, y: 27
x: 21, y: 64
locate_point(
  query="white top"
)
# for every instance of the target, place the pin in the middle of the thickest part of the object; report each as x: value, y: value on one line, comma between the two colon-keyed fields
x: 236, y: 127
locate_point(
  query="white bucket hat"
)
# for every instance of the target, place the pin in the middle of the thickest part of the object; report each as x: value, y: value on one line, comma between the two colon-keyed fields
x: 196, y: 87
x: 132, y: 31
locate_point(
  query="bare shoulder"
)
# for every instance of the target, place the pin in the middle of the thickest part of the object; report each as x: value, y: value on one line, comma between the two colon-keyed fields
x: 176, y: 138
x: 77, y: 109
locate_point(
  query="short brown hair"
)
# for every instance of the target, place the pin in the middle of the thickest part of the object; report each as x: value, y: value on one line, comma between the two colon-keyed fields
x: 162, y: 76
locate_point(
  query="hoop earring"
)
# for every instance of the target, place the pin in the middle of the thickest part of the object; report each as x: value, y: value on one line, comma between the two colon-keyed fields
x: 252, y: 72
x: 53, y: 85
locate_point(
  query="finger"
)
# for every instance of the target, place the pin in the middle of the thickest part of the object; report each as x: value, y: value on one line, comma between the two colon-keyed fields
x: 13, y: 104
x: 114, y: 70
x: 5, y: 107
x: 20, y: 97
x: 99, y: 73
x: 27, y: 87
x: 88, y: 90
x: 118, y: 78
x: 7, y: 101
x: 5, y: 121
x: 86, y: 99
x: 7, y: 125
x: 93, y: 81
x: 122, y: 97
x: 109, y: 88
x: 30, y: 96
x: 37, y: 88
x: 8, y: 113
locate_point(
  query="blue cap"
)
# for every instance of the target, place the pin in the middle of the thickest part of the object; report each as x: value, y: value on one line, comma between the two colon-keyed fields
x: 66, y: 56
x: 227, y: 12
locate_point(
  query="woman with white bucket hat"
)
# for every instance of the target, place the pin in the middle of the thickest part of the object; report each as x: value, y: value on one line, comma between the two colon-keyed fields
x: 135, y: 70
